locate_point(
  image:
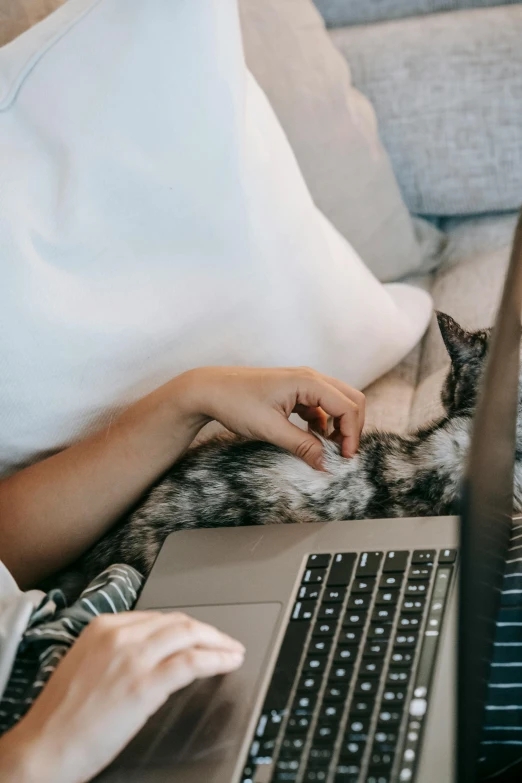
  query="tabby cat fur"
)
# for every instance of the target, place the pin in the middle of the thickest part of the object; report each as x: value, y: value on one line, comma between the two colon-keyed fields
x: 238, y: 482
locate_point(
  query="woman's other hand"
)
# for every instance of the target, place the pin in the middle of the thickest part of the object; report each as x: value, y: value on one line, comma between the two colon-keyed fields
x: 118, y: 674
x: 256, y: 403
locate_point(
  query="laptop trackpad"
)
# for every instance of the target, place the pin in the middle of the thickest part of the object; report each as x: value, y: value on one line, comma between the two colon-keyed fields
x: 200, y: 730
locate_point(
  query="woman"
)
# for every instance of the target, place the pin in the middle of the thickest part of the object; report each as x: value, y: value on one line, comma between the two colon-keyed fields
x: 125, y: 666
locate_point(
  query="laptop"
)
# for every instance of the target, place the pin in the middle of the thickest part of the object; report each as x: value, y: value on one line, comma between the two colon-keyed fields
x: 368, y: 642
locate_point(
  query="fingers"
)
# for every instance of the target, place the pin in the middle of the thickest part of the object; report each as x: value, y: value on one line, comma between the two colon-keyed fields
x: 194, y: 664
x: 155, y: 636
x: 180, y: 633
x: 313, y: 390
x: 278, y: 430
x: 353, y: 394
x: 317, y: 419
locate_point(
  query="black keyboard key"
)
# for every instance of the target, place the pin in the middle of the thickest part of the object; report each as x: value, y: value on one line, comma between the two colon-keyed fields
x: 448, y: 556
x: 394, y: 696
x: 350, y: 635
x: 317, y: 775
x: 398, y: 677
x: 369, y: 563
x: 309, y: 683
x: 324, y: 628
x: 395, y: 562
x: 374, y: 648
x: 320, y: 645
x: 379, y: 631
x: 293, y: 744
x: 345, y: 654
x: 351, y: 750
x: 416, y: 588
x: 247, y: 776
x: 354, y: 619
x: 331, y: 712
x: 315, y: 663
x: 334, y: 595
x: 263, y: 748
x: 359, y: 601
x: 335, y: 692
x: 410, y: 622
x: 314, y: 576
x: 381, y: 759
x: 319, y: 755
x: 325, y: 734
x: 386, y: 737
x: 402, y: 658
x: 285, y: 777
x: 366, y: 686
x: 357, y: 724
x: 389, y: 716
x: 304, y: 704
x: 362, y: 705
x: 286, y: 666
x: 424, y: 556
x: 362, y: 585
x: 342, y: 569
x: 420, y: 573
x: 340, y: 674
x: 371, y: 667
x: 383, y: 614
x: 269, y: 724
x: 413, y: 605
x: 390, y: 581
x: 303, y: 610
x: 387, y: 598
x: 329, y: 611
x: 318, y: 561
x: 309, y: 592
x: 347, y: 773
x: 379, y: 774
x: 299, y: 724
x: 405, y: 640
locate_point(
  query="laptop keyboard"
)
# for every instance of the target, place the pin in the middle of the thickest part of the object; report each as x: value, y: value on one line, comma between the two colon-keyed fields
x: 350, y: 688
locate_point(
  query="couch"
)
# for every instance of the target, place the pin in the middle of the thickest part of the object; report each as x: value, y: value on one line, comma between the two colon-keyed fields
x: 443, y: 166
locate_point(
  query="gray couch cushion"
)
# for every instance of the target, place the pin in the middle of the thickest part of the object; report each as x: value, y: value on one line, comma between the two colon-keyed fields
x: 343, y: 12
x: 447, y: 90
x: 332, y: 130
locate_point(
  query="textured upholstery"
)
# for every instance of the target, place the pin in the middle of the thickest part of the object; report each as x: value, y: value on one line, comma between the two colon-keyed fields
x: 447, y: 90
x: 348, y: 12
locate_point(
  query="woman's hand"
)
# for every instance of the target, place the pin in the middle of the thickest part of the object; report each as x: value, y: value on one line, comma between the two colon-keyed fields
x: 119, y: 672
x: 257, y: 403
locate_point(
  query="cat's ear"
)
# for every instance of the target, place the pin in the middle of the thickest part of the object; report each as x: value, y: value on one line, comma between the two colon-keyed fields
x: 460, y: 344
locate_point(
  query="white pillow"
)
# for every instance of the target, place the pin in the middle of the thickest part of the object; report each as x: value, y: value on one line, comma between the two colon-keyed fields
x: 153, y: 218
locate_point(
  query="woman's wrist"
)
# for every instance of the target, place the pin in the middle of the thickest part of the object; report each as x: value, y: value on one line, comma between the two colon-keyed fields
x: 23, y: 758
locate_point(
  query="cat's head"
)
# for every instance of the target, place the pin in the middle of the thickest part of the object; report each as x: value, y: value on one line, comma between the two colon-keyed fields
x: 467, y: 351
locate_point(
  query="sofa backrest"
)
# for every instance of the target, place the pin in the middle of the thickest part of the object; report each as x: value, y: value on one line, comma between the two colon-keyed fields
x: 338, y: 13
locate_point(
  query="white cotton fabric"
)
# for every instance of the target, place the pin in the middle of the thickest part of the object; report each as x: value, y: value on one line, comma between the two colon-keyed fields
x: 153, y: 218
x: 16, y: 608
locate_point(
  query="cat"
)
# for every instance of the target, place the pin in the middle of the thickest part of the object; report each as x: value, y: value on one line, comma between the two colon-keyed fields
x: 233, y: 482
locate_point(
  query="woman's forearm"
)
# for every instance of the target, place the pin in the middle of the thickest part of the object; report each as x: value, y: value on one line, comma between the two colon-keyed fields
x: 51, y: 512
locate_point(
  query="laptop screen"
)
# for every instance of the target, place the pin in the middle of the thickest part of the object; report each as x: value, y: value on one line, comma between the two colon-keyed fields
x: 487, y: 506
